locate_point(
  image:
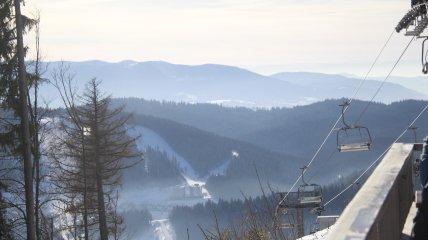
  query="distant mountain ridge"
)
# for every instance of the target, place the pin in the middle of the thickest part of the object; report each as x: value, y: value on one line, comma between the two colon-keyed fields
x: 338, y: 86
x: 220, y: 84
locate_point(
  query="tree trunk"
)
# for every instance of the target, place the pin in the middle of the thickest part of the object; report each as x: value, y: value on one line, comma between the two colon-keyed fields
x: 101, y: 208
x: 25, y: 125
x: 37, y: 154
x: 100, y: 191
x: 85, y: 190
x: 37, y: 196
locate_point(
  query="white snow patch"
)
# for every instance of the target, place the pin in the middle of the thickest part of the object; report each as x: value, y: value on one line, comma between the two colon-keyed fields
x: 187, y: 97
x: 163, y: 229
x: 320, y: 235
x: 232, y: 102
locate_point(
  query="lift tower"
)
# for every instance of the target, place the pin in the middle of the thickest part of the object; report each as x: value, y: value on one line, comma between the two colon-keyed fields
x: 308, y: 196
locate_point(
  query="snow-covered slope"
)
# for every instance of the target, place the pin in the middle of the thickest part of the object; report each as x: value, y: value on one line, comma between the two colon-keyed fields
x: 149, y: 138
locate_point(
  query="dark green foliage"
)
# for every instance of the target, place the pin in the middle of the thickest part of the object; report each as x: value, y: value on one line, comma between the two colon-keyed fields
x: 5, y: 226
x: 160, y: 166
x: 9, y: 98
x: 225, y: 121
x: 226, y: 212
x: 9, y: 101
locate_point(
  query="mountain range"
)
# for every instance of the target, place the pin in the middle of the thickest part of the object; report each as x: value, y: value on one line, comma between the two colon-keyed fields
x: 221, y: 84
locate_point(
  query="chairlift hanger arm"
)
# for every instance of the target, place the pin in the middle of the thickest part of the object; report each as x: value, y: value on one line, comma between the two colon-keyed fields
x: 304, y: 168
x: 344, y: 106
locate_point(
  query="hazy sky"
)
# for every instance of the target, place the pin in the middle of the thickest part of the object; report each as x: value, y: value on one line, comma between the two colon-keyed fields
x: 265, y: 35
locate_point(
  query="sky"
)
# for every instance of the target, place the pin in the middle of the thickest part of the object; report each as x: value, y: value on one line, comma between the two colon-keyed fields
x: 332, y: 36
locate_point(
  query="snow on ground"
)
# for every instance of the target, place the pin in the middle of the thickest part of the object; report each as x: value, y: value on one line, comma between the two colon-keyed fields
x: 163, y: 229
x: 320, y: 235
x: 220, y: 170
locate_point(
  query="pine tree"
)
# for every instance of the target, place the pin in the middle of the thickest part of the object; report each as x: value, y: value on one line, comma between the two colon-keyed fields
x: 15, y: 138
x: 5, y: 226
x: 9, y: 135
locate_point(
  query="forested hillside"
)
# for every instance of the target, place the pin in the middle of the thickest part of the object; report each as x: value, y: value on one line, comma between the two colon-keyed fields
x: 158, y: 168
x: 206, y: 151
x: 235, y: 213
x: 274, y: 132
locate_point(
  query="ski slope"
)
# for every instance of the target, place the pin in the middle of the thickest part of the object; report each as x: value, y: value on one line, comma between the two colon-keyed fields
x: 149, y: 138
x: 157, y: 200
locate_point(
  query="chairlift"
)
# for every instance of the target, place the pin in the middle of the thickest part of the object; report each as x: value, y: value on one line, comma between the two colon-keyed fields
x: 310, y: 195
x: 356, y: 144
x: 414, y: 23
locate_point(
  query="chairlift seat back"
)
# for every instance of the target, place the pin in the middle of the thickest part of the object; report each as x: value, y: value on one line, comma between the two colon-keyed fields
x: 354, y: 139
x: 310, y: 195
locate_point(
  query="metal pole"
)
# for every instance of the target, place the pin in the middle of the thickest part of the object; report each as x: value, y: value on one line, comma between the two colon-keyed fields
x: 415, y: 134
x: 300, y: 222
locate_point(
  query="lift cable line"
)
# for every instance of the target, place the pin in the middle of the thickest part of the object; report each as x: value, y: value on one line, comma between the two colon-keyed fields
x: 357, y: 90
x: 377, y: 159
x: 384, y: 81
x: 365, y: 110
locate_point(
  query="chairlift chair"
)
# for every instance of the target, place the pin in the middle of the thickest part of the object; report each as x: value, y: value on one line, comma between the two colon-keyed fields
x: 310, y: 195
x: 364, y: 141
